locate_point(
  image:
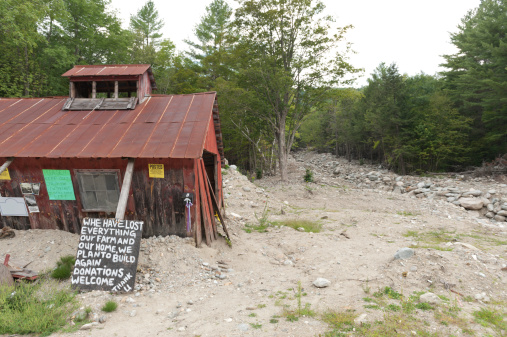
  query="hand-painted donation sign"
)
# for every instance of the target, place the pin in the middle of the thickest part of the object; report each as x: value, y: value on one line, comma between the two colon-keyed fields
x: 156, y: 170
x: 59, y: 184
x: 107, y: 254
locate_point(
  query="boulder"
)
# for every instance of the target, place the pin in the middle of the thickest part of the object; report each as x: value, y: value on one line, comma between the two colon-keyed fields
x: 404, y: 253
x: 430, y: 298
x: 321, y: 283
x: 471, y: 203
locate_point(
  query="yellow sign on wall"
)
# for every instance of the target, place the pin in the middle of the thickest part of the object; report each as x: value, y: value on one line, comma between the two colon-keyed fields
x: 5, y: 175
x: 156, y: 170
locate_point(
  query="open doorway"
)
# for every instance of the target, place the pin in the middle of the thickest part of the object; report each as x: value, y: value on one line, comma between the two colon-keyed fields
x: 210, y: 164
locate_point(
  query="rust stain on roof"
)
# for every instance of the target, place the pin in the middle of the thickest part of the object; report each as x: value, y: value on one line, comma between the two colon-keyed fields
x: 107, y: 70
x: 172, y: 126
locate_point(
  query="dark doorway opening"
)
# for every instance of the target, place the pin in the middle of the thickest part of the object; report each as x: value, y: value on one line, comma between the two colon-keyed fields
x: 210, y: 164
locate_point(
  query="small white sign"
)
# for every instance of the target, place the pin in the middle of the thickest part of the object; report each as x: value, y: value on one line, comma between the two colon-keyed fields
x: 13, y: 206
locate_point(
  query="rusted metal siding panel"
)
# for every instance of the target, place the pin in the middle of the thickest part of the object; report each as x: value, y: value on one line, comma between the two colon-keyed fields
x: 157, y: 202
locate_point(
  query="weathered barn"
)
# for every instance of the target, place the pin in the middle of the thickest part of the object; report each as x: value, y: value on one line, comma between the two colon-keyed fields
x: 112, y: 149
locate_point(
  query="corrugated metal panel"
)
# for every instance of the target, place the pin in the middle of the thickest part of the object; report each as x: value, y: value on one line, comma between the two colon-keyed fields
x: 161, y: 127
x: 107, y: 70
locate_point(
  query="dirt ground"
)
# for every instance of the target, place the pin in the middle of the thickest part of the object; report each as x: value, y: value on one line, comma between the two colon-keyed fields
x: 249, y: 289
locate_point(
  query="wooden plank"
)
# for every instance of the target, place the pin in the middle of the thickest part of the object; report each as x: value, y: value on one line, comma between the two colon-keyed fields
x: 94, y: 89
x: 115, y: 89
x: 204, y: 208
x: 217, y: 209
x: 125, y: 189
x: 197, y: 221
x: 6, y: 164
x: 208, y: 200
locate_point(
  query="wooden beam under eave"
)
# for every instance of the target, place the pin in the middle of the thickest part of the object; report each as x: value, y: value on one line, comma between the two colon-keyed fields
x: 94, y: 89
x: 6, y: 164
x: 125, y: 190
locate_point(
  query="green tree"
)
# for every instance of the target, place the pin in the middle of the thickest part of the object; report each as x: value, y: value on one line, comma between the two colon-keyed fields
x: 386, y: 114
x: 215, y: 37
x: 476, y: 79
x: 147, y: 24
x: 19, y: 39
x: 290, y: 60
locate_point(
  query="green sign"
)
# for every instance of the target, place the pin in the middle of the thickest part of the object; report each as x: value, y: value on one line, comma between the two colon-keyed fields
x: 59, y: 184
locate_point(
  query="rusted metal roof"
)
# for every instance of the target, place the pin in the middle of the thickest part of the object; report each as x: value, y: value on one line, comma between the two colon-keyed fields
x: 172, y: 126
x: 107, y: 70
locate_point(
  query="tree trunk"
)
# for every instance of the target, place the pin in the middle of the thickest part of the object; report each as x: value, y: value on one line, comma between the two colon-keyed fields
x: 282, y: 153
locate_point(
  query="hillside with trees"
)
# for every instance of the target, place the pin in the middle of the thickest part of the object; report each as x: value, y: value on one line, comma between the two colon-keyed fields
x: 284, y: 80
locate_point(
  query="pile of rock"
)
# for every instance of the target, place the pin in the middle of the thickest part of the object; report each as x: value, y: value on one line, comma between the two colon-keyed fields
x: 491, y: 204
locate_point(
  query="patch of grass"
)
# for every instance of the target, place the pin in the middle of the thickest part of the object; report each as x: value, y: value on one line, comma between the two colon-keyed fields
x: 490, y: 318
x: 435, y: 247
x: 260, y: 306
x: 273, y: 321
x: 394, y: 324
x: 305, y: 311
x: 432, y: 239
x: 263, y: 222
x: 495, y: 241
x: 389, y: 292
x: 372, y: 306
x: 256, y: 325
x: 414, y: 234
x: 424, y: 306
x: 405, y: 213
x: 468, y: 298
x: 449, y: 316
x: 64, y: 267
x: 408, y: 306
x: 41, y: 308
x: 443, y: 298
x: 309, y: 226
x: 110, y: 306
x: 368, y: 299
x: 249, y: 228
x: 339, y: 321
x: 253, y: 314
x: 366, y: 287
x: 393, y: 307
x: 292, y: 317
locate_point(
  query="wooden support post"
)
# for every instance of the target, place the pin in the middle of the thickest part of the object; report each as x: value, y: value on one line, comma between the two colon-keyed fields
x: 94, y: 89
x: 6, y: 164
x: 115, y: 89
x: 208, y: 201
x: 72, y: 89
x: 125, y: 190
x: 197, y: 206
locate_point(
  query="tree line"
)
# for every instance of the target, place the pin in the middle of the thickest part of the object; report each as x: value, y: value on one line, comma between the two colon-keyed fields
x: 283, y: 78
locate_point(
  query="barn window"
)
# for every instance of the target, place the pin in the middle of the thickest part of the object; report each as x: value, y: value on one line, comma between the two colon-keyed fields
x: 99, y: 190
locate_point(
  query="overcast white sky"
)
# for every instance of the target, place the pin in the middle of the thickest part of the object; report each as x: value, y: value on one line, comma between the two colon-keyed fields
x: 412, y: 33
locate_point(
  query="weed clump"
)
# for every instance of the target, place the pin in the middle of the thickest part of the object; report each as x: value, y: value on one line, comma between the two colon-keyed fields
x: 110, y: 306
x: 64, y: 267
x: 307, y: 225
x: 308, y: 177
x: 41, y: 308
